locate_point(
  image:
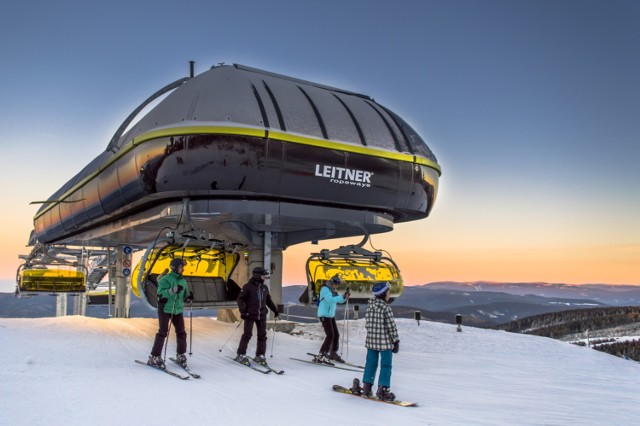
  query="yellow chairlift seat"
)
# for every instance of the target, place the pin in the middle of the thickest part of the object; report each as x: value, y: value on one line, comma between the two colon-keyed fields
x: 52, y: 280
x: 359, y: 270
x: 206, y: 271
x: 100, y: 295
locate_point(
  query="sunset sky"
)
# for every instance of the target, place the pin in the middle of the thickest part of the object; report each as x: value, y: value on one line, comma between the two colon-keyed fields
x: 531, y: 107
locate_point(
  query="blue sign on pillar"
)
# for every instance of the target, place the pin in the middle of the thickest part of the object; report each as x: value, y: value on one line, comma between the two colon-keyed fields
x: 126, y: 260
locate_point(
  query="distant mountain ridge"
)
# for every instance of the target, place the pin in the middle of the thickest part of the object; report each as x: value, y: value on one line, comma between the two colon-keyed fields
x: 497, y: 303
x: 485, y: 304
x: 610, y: 294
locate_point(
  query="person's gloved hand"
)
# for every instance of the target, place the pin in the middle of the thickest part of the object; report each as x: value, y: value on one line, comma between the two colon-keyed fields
x: 244, y: 315
x: 189, y: 297
x: 276, y: 315
x: 347, y: 293
x: 396, y: 347
x: 175, y: 289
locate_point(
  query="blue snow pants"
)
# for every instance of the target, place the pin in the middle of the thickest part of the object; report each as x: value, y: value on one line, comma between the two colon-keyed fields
x: 370, y: 368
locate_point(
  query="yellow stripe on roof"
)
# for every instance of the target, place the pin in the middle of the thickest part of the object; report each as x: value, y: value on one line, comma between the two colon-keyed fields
x: 190, y: 130
x: 246, y: 131
x: 358, y: 149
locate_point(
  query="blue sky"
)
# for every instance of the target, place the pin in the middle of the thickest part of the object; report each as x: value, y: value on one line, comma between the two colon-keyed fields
x: 531, y: 108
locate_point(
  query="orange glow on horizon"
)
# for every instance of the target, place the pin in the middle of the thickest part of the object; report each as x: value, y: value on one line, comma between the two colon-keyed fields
x: 608, y: 265
x: 437, y: 249
x: 605, y: 265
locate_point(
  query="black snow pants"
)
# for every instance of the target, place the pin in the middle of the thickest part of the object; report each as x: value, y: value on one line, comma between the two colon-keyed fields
x: 178, y: 325
x: 332, y: 339
x: 261, y: 325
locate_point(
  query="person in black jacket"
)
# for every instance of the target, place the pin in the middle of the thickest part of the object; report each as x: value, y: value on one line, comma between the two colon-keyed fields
x: 253, y: 301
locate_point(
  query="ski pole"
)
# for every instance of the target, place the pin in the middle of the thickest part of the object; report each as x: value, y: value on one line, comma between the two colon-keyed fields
x: 190, y: 327
x: 273, y: 338
x: 348, y: 311
x: 234, y: 332
x: 345, y: 330
x: 166, y: 340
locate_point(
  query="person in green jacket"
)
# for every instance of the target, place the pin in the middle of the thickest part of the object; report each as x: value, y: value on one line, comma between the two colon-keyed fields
x: 172, y: 292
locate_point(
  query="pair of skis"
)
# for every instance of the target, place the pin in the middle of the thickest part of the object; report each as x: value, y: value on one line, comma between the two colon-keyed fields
x: 190, y: 372
x: 263, y: 368
x: 333, y: 364
x: 342, y: 366
x: 266, y: 369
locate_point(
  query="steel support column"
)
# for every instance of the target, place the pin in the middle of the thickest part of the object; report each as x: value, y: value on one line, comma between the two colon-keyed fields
x: 61, y: 305
x: 80, y: 300
x: 123, y: 283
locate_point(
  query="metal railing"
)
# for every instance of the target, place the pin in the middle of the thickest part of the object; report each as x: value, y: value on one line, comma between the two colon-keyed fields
x: 346, y: 313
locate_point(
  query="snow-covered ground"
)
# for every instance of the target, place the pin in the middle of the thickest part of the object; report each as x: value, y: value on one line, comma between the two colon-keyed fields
x: 79, y: 370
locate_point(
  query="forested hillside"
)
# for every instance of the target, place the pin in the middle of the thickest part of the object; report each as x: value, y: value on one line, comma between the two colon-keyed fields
x: 564, y: 323
x: 601, y: 328
x: 629, y: 349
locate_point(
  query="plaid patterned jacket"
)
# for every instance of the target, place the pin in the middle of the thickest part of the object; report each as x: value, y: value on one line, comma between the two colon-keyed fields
x: 381, y: 326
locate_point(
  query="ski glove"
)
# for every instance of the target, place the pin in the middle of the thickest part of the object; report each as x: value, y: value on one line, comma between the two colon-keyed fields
x: 244, y: 315
x: 396, y: 347
x: 189, y: 297
x: 175, y: 289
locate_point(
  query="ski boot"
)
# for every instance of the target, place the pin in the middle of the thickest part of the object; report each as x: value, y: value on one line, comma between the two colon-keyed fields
x: 366, y: 390
x: 242, y: 359
x: 385, y: 394
x: 322, y: 358
x: 356, y: 389
x: 182, y: 360
x: 156, y: 361
x: 260, y: 359
x: 335, y: 357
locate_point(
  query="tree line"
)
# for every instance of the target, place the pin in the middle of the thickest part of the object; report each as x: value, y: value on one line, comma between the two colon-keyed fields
x: 629, y: 349
x: 563, y: 323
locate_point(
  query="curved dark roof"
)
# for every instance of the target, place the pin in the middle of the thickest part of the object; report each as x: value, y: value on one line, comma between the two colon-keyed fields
x: 239, y: 95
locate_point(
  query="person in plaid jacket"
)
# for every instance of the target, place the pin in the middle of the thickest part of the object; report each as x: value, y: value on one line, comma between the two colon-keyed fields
x: 382, y: 342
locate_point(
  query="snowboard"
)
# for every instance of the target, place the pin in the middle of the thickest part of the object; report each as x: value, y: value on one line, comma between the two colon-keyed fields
x: 347, y: 391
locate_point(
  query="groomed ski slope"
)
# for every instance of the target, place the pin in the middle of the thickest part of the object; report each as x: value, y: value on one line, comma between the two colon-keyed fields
x: 79, y: 370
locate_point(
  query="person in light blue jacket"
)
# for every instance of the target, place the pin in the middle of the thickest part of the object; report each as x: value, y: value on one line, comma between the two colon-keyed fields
x: 328, y: 300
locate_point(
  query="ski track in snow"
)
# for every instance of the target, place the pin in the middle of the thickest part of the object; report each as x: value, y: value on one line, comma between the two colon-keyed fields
x: 80, y: 370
